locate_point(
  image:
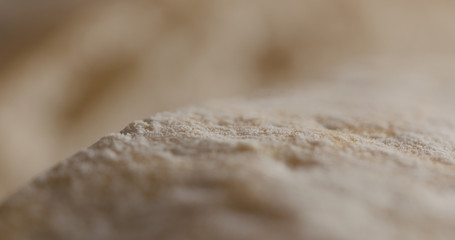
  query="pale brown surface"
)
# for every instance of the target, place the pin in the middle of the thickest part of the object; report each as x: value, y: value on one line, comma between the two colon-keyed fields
x: 348, y: 159
x: 72, y: 71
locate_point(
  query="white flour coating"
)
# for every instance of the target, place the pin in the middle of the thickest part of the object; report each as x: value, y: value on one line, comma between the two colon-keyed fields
x: 355, y: 160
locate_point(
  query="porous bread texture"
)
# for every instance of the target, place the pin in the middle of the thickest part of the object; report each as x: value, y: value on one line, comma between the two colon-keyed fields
x: 350, y: 161
x: 66, y: 66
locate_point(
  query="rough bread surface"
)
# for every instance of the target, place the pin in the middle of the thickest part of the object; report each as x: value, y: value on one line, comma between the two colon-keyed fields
x: 350, y: 160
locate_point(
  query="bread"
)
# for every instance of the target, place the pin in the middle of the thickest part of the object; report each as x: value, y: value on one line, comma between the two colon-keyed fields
x: 349, y: 160
x: 68, y: 65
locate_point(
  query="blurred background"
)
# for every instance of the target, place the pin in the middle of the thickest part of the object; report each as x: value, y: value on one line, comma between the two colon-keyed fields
x: 72, y: 71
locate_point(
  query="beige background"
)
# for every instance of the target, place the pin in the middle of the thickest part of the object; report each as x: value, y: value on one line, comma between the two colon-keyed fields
x: 73, y: 71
